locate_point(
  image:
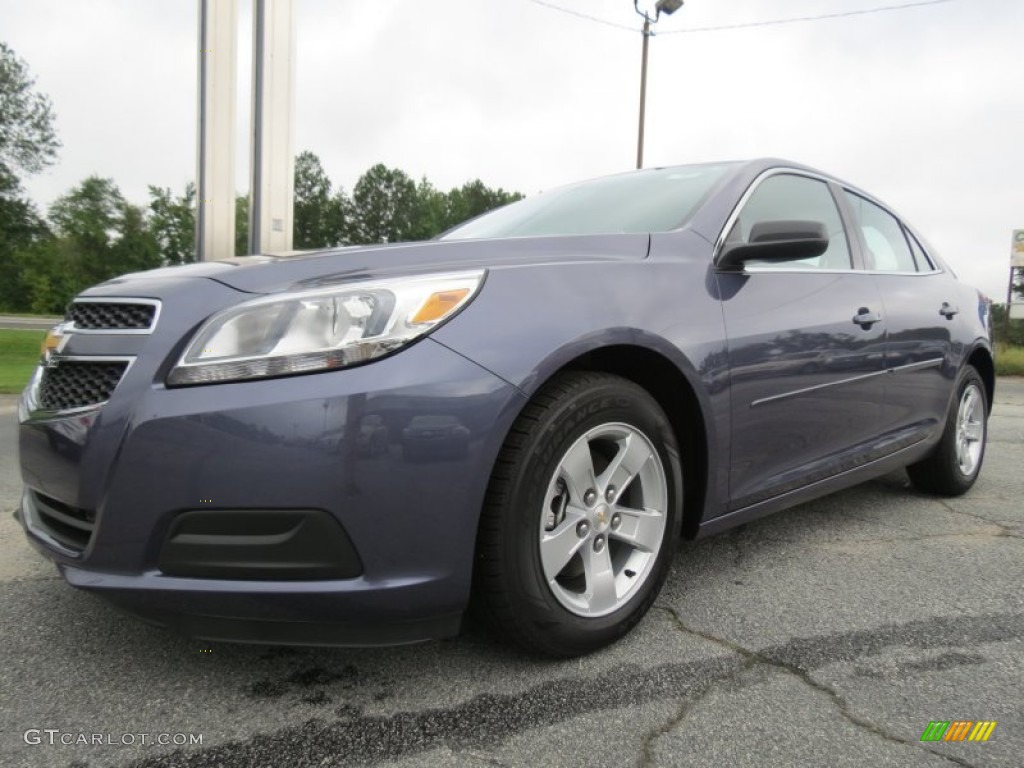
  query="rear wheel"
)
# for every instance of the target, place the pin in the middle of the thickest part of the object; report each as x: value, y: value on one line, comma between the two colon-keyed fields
x: 581, y: 518
x: 953, y: 466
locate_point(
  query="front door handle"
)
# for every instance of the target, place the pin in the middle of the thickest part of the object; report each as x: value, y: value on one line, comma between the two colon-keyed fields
x: 865, y: 318
x: 948, y: 310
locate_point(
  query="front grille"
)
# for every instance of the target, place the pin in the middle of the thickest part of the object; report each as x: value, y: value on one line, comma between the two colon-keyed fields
x: 70, y: 526
x: 111, y: 316
x: 78, y: 384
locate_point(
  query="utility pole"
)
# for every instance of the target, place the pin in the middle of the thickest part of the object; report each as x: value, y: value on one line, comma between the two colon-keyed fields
x: 643, y: 95
x: 667, y: 7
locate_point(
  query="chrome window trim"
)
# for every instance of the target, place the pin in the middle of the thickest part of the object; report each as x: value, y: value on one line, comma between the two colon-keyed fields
x: 762, y: 270
x: 30, y: 400
x: 70, y: 326
x: 789, y: 171
x: 810, y: 271
x: 901, y: 274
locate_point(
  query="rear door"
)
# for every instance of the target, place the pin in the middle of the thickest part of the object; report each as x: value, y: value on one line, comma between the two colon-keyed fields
x: 921, y: 307
x: 806, y: 350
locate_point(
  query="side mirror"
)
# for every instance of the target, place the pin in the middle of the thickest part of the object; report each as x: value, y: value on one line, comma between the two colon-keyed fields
x: 776, y: 241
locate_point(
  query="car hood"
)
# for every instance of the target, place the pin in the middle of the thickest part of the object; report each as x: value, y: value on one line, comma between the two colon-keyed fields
x: 268, y: 274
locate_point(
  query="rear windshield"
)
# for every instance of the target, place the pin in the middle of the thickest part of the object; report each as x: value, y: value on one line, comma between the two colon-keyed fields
x: 655, y: 200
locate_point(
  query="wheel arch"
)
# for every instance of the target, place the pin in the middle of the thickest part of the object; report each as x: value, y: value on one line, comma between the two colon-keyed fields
x: 981, y: 360
x: 676, y: 391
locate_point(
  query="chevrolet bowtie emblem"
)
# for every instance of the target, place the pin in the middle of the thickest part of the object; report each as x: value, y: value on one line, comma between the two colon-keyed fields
x: 54, y: 343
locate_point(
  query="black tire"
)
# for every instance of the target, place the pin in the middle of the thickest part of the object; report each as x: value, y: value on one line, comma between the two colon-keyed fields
x: 941, y: 473
x: 510, y: 591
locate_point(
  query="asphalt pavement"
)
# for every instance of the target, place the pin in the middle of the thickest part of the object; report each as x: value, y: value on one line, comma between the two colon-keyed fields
x: 831, y: 634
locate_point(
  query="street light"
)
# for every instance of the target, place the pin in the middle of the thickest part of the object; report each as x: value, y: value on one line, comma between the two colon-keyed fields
x: 668, y: 7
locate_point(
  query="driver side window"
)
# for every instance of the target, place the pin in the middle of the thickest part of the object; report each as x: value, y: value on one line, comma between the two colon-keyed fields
x: 788, y: 197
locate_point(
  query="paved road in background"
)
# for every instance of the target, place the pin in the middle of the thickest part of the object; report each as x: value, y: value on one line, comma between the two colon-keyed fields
x: 13, y: 322
x: 830, y: 634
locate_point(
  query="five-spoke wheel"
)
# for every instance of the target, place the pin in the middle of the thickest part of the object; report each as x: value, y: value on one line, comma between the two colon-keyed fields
x: 603, y: 519
x: 953, y: 466
x: 582, y: 513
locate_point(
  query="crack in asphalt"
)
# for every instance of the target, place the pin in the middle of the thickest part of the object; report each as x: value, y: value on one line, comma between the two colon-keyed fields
x: 1006, y: 529
x: 487, y: 720
x: 840, y: 703
x: 646, y: 756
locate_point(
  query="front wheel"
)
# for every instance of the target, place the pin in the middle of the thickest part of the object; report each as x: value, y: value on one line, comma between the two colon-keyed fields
x: 581, y: 518
x: 952, y: 468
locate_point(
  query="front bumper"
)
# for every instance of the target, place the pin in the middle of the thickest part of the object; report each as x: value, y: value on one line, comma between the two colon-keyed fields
x: 150, y: 455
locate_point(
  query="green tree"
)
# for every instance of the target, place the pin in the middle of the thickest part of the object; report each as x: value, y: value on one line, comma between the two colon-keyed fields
x: 474, y: 198
x: 241, y: 225
x: 1005, y: 330
x: 28, y: 144
x: 431, y: 216
x: 20, y: 228
x: 101, y: 233
x: 45, y: 277
x: 172, y: 222
x: 135, y: 248
x: 87, y: 219
x: 27, y: 140
x: 319, y: 218
x: 384, y: 207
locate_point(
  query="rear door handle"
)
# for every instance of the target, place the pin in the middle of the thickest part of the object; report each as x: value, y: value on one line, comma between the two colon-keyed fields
x: 865, y: 318
x: 948, y: 310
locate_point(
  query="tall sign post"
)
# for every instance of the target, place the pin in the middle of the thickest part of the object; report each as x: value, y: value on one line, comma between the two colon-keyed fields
x: 215, y: 177
x: 1015, y: 305
x: 272, y: 187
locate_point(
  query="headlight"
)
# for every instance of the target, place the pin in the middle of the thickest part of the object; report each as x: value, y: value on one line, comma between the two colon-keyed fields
x: 321, y: 329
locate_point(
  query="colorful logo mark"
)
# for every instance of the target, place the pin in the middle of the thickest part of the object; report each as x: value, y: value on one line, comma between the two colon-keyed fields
x: 958, y: 730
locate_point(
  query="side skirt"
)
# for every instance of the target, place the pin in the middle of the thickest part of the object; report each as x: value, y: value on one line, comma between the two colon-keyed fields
x: 869, y: 471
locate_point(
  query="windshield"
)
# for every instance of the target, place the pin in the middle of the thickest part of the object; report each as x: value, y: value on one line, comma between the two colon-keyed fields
x: 655, y: 200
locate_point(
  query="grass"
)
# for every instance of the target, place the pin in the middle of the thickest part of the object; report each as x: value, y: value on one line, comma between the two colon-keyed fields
x: 1009, y: 360
x: 19, y: 353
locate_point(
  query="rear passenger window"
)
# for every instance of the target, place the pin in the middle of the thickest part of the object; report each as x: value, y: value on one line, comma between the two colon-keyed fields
x: 788, y: 197
x: 886, y: 247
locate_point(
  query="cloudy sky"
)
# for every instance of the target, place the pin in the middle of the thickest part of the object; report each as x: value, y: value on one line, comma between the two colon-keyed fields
x: 920, y: 106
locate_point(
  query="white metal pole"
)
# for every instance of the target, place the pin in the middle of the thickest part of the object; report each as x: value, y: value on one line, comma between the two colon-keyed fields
x: 215, y: 178
x: 272, y: 188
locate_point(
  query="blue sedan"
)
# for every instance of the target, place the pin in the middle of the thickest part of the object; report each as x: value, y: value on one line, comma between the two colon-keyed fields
x: 521, y: 417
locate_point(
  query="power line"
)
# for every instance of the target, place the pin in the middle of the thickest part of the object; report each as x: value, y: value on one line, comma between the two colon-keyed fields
x: 747, y: 25
x: 571, y: 12
x: 798, y: 19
